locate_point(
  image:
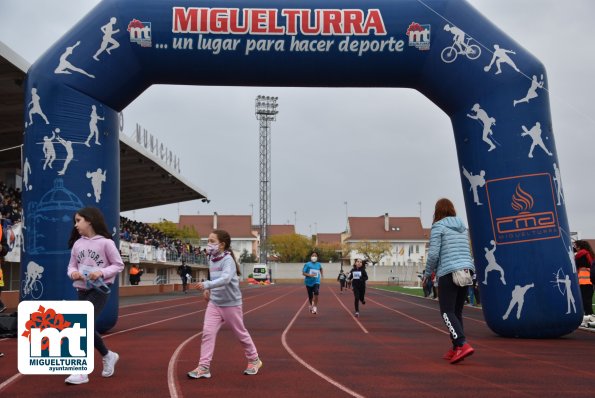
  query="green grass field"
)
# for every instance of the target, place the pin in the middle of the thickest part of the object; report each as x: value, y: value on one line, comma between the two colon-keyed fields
x: 415, y: 291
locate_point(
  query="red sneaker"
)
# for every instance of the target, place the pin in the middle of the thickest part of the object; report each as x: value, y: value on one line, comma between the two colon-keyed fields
x: 449, y: 354
x: 461, y: 353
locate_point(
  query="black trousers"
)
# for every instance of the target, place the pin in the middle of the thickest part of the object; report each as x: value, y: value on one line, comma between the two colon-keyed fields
x: 359, y: 292
x: 587, y: 296
x: 452, y: 300
x: 98, y: 300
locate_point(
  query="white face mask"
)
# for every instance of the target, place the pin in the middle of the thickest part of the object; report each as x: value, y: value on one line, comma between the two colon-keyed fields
x: 313, y: 259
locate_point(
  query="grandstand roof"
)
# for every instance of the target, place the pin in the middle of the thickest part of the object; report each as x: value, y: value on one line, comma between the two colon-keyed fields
x: 146, y: 182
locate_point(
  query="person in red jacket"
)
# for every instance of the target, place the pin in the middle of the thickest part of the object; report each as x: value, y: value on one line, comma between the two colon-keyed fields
x: 584, y: 260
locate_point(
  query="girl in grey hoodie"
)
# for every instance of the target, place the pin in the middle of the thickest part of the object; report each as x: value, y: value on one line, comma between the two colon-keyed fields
x: 224, y: 306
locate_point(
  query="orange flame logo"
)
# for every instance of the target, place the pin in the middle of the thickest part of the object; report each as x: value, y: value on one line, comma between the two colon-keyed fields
x: 522, y: 201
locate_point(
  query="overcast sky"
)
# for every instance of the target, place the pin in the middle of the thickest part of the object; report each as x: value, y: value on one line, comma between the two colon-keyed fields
x: 379, y: 150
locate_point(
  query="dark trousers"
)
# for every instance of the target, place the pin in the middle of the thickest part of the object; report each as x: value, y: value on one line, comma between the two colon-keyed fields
x: 312, y: 291
x: 342, y: 284
x: 452, y: 300
x: 359, y: 291
x: 98, y: 300
x: 587, y: 296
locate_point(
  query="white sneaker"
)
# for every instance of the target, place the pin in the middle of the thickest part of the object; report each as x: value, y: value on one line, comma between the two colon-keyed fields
x: 109, y: 363
x: 314, y: 309
x: 77, y: 379
x: 586, y: 318
x: 310, y: 308
x: 591, y: 318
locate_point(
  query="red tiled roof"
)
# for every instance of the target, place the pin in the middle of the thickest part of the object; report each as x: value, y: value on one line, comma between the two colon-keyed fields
x: 328, y: 238
x: 239, y: 227
x: 281, y: 230
x: 275, y: 229
x: 373, y: 228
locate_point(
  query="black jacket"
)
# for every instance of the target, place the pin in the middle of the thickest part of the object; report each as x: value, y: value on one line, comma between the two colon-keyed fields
x: 183, y: 270
x: 362, y: 280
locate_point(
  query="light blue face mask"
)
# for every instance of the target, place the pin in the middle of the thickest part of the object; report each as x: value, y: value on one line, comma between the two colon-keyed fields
x: 313, y: 259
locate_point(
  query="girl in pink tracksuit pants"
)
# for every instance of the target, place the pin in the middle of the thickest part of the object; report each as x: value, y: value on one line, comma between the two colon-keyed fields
x: 224, y: 306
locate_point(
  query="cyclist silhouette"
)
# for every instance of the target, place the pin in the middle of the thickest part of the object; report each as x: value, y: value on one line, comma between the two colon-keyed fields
x: 458, y: 37
x: 33, y: 273
x: 460, y: 46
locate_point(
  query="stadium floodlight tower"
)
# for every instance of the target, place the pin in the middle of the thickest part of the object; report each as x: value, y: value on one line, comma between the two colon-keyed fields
x: 266, y: 112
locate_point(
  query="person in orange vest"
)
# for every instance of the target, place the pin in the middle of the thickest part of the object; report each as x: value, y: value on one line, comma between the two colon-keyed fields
x: 135, y: 274
x: 3, y: 251
x: 584, y: 260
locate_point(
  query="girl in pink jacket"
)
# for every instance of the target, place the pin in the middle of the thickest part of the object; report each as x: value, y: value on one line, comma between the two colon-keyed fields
x: 94, y: 258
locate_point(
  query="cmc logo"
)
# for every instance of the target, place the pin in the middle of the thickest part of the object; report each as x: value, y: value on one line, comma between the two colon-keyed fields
x: 140, y: 32
x: 55, y: 337
x: 517, y: 215
x: 419, y: 36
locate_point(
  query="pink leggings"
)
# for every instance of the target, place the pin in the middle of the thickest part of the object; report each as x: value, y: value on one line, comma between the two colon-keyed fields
x: 215, y: 317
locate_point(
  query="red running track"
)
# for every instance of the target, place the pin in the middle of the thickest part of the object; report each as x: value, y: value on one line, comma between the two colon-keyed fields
x: 393, y: 350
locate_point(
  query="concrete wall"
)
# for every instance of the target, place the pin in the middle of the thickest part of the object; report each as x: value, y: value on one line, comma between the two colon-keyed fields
x: 291, y: 271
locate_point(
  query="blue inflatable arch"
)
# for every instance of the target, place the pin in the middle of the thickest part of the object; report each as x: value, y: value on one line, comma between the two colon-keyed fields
x: 493, y: 90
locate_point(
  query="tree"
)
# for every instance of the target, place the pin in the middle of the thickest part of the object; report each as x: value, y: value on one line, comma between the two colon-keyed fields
x: 328, y: 252
x: 171, y: 230
x: 246, y: 257
x: 290, y: 248
x: 372, y: 251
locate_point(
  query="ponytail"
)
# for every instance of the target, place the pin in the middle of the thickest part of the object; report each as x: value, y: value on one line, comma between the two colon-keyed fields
x: 238, y: 273
x: 225, y: 238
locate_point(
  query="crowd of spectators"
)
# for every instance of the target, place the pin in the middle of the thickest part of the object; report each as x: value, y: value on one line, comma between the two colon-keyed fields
x: 138, y: 232
x: 11, y: 211
x: 11, y: 208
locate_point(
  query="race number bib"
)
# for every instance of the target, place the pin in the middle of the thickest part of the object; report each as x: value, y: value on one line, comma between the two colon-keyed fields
x: 85, y: 270
x: 357, y: 274
x: 315, y: 273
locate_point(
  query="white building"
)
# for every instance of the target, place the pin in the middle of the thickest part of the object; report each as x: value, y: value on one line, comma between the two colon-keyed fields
x: 407, y: 238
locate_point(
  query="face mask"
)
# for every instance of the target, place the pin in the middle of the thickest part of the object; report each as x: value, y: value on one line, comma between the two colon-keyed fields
x: 313, y: 259
x: 212, y: 248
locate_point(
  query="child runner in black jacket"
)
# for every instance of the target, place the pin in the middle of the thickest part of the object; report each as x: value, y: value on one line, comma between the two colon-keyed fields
x: 358, y: 277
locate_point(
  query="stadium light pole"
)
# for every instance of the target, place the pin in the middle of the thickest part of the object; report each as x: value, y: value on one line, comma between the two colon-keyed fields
x: 266, y: 113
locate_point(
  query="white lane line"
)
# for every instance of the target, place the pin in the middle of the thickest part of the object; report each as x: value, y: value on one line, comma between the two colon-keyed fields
x: 431, y: 308
x: 409, y: 317
x: 196, y: 299
x: 156, y: 301
x: 349, y: 312
x: 18, y: 375
x: 9, y: 381
x: 156, y: 309
x: 308, y: 366
x: 172, y: 381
